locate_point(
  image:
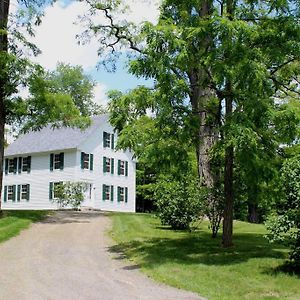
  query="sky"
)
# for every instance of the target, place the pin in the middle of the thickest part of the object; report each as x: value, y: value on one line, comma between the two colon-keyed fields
x: 56, y: 38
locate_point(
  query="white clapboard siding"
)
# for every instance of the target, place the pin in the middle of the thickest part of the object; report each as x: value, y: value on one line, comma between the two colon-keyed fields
x: 40, y: 174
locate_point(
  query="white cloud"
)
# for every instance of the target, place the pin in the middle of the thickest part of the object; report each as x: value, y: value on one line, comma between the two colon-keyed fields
x: 143, y: 10
x: 56, y: 37
x: 100, y: 94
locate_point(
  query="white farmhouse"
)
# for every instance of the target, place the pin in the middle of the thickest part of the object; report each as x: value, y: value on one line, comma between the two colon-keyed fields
x: 37, y: 161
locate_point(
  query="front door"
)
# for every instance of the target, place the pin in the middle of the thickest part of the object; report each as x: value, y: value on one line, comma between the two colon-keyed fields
x: 88, y: 196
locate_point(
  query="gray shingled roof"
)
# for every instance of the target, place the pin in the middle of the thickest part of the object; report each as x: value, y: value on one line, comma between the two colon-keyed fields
x: 49, y: 139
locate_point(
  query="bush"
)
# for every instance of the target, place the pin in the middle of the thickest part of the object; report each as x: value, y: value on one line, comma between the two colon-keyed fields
x: 70, y: 194
x: 179, y: 203
x: 284, y: 227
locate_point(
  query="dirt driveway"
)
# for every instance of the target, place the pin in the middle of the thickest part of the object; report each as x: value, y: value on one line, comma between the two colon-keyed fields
x: 66, y: 257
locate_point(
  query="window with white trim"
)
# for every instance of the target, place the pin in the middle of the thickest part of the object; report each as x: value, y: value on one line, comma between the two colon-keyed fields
x: 12, y: 166
x: 25, y: 164
x: 24, y: 191
x: 86, y: 161
x: 107, y: 164
x: 107, y: 192
x: 123, y: 167
x: 108, y: 140
x: 10, y: 192
x: 121, y: 194
x: 56, y: 186
x: 56, y: 161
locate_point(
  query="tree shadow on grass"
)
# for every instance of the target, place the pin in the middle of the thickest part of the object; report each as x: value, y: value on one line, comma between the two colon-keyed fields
x: 286, y: 268
x: 199, y: 248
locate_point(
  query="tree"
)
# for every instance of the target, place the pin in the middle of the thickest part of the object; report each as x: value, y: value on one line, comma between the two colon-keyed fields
x: 16, y: 71
x: 71, y: 80
x: 217, y: 64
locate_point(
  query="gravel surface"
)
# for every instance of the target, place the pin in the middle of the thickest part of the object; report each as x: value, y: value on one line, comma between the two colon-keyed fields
x: 67, y: 257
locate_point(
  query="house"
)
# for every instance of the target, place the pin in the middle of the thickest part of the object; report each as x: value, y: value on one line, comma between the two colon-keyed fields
x: 38, y: 161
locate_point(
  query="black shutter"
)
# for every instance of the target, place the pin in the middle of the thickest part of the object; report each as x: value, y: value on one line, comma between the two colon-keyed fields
x: 119, y: 195
x: 111, y: 193
x: 119, y: 167
x: 112, y: 165
x: 20, y: 165
x: 126, y: 168
x: 14, y: 193
x: 91, y: 162
x: 5, y: 193
x: 112, y: 141
x: 82, y: 160
x: 51, y: 161
x: 61, y: 160
x: 103, y: 191
x: 28, y: 192
x: 50, y: 190
x: 15, y: 165
x: 29, y: 164
x: 126, y: 194
x: 104, y: 139
x: 6, y: 166
x: 19, y: 193
x: 104, y: 164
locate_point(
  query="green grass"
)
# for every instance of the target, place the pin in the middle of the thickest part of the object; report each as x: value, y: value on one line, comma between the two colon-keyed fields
x: 196, y: 262
x: 12, y: 222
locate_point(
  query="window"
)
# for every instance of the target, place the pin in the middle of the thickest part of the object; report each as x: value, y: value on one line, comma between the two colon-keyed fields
x: 107, y: 192
x: 11, y: 192
x: 122, y: 194
x: 122, y: 167
x: 23, y: 192
x: 56, y: 186
x: 108, y: 140
x: 12, y: 165
x: 57, y: 161
x: 24, y: 189
x: 108, y: 165
x: 87, y: 161
x: 54, y: 189
x: 25, y: 162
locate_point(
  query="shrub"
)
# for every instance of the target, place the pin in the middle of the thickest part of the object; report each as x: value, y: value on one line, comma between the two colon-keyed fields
x: 179, y: 203
x: 284, y: 227
x: 70, y: 194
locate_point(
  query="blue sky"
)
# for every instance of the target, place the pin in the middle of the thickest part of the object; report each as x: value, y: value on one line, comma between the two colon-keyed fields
x: 56, y: 39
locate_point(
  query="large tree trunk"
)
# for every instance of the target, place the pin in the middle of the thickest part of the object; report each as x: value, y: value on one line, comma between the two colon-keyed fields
x: 228, y: 176
x: 253, y: 215
x: 229, y: 156
x: 4, y: 9
x: 206, y: 135
x: 228, y: 190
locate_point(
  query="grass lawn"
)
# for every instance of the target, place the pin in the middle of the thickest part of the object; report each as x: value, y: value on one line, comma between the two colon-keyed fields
x: 12, y: 222
x: 195, y: 262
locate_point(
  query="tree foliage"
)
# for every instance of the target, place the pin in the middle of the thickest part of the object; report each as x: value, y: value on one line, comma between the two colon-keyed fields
x: 180, y: 203
x: 284, y: 227
x: 218, y: 67
x: 16, y: 72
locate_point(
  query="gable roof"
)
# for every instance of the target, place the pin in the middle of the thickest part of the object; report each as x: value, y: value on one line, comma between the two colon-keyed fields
x: 53, y: 139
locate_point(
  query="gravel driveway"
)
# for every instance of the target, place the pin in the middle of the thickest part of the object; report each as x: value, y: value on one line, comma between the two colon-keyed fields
x: 66, y: 257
